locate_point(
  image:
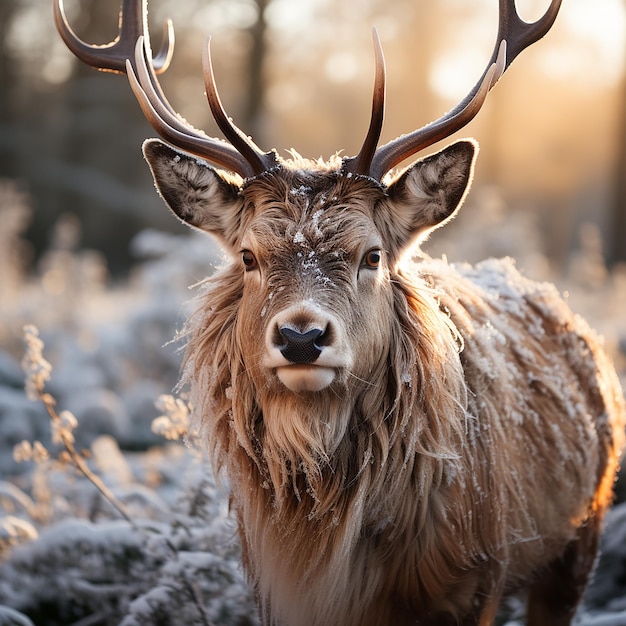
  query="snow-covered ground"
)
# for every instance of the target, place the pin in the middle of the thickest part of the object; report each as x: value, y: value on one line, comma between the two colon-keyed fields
x: 67, y: 556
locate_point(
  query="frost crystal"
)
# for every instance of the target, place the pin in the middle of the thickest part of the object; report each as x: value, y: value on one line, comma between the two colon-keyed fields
x: 310, y: 265
x: 406, y: 378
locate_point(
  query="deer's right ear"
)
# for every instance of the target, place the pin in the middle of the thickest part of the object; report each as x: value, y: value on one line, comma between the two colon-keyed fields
x: 199, y: 195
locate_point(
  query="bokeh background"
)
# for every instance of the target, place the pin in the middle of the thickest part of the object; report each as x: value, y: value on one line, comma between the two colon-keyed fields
x: 298, y: 74
x: 91, y: 256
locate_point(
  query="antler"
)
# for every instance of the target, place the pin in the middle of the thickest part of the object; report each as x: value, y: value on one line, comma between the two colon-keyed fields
x: 130, y: 53
x: 514, y: 35
x: 361, y: 162
x: 112, y: 56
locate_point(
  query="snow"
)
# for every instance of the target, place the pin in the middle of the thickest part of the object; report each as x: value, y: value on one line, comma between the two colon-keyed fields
x: 616, y: 619
x: 303, y: 190
x: 315, y: 218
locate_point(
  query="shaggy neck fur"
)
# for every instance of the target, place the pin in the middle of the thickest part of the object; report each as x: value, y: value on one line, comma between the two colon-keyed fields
x: 336, y: 468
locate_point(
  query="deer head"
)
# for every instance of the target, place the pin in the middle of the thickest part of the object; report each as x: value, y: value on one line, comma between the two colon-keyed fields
x: 313, y: 245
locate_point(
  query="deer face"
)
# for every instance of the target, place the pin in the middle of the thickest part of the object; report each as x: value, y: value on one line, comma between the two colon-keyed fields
x: 315, y: 249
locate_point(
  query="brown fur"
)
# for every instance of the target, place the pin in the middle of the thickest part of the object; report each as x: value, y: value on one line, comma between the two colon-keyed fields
x: 467, y: 448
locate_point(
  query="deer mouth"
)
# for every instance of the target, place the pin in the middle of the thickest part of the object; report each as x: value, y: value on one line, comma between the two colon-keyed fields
x: 307, y: 377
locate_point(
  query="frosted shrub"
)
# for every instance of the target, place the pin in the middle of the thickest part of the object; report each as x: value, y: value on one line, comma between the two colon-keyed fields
x: 63, y: 423
x: 178, y: 564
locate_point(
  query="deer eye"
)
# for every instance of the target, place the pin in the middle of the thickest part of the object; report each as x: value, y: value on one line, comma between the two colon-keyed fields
x: 372, y: 258
x: 249, y: 260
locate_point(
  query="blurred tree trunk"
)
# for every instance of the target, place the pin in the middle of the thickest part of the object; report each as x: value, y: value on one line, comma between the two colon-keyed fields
x: 6, y: 10
x: 616, y: 252
x: 256, y: 85
x: 7, y: 88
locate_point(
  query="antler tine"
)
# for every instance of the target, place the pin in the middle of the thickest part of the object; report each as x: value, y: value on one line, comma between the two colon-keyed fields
x: 112, y: 56
x: 259, y: 160
x: 360, y: 164
x: 520, y: 34
x: 171, y: 127
x: 514, y: 35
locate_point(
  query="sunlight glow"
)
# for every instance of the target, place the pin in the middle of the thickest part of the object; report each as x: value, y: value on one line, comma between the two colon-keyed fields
x: 593, y: 51
x: 57, y: 69
x: 285, y: 14
x: 227, y: 14
x: 342, y: 66
x: 600, y: 26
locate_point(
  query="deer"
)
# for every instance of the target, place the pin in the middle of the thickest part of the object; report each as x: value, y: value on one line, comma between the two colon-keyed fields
x: 405, y: 440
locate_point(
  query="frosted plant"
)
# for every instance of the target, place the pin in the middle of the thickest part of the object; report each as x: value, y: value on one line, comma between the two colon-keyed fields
x: 174, y: 423
x: 40, y: 506
x: 25, y: 451
x: 36, y: 368
x: 63, y: 423
x: 63, y: 428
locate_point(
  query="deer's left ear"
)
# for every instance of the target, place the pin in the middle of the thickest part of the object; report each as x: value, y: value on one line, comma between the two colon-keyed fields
x: 428, y: 193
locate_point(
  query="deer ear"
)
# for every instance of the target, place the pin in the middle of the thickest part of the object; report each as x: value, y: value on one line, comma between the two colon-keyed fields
x: 199, y: 195
x: 429, y: 192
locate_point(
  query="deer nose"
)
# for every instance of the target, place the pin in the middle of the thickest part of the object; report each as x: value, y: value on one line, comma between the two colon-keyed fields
x: 300, y: 348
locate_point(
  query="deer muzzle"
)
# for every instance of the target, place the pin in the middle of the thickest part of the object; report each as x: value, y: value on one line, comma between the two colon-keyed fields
x: 305, y: 347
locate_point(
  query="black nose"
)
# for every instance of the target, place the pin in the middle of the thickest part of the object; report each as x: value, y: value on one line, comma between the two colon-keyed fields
x: 300, y: 347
